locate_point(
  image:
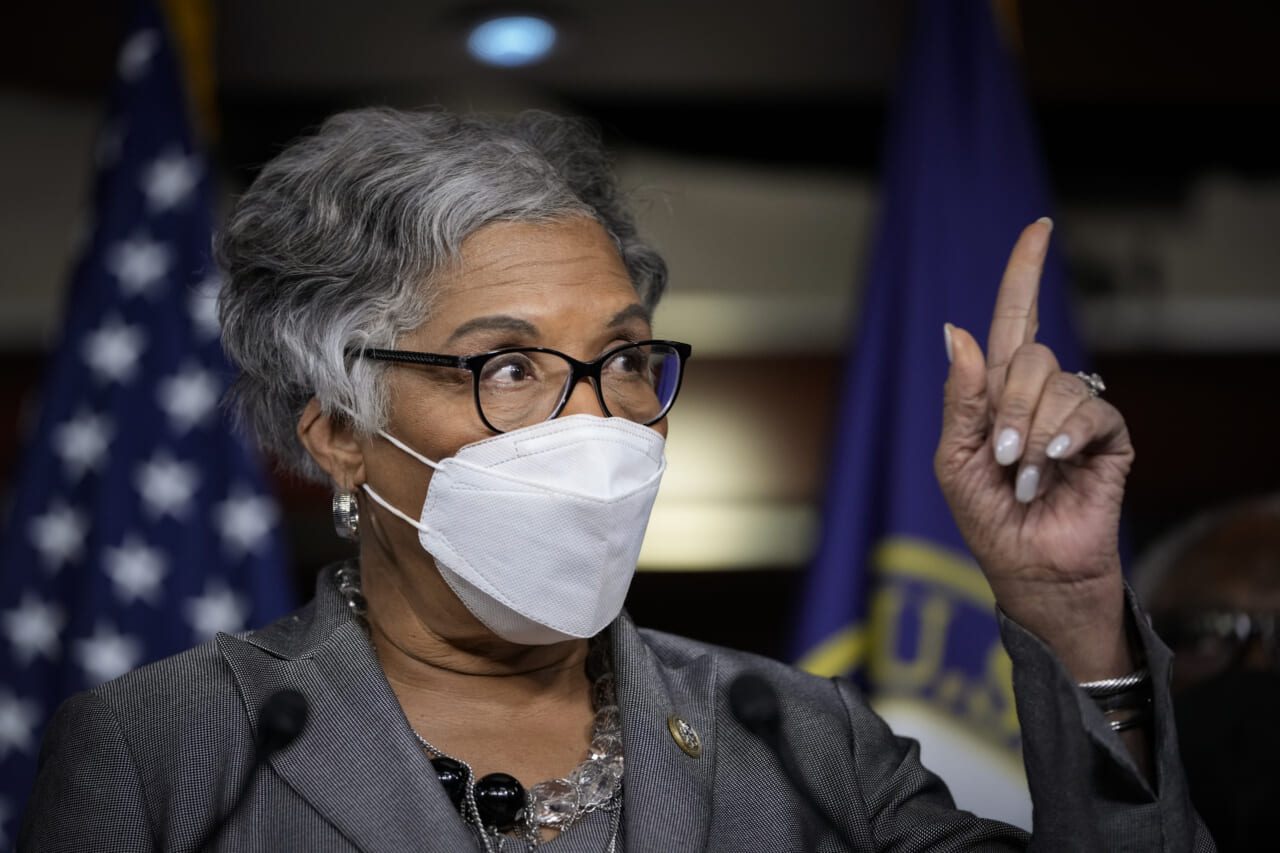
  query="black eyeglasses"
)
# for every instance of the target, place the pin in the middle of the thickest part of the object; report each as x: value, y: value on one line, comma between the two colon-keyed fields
x: 521, y: 386
x: 1216, y: 639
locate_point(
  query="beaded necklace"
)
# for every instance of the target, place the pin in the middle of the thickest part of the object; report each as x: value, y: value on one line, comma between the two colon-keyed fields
x: 497, y: 802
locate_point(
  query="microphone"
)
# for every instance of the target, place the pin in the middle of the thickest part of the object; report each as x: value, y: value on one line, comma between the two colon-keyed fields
x: 755, y: 705
x: 280, y: 720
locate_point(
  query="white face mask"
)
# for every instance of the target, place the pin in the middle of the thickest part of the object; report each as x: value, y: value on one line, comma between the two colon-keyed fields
x: 537, y: 530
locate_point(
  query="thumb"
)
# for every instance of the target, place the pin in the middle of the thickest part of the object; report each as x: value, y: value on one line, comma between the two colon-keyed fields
x: 964, y: 398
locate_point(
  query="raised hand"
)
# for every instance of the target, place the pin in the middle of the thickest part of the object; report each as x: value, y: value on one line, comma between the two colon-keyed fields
x: 1033, y: 467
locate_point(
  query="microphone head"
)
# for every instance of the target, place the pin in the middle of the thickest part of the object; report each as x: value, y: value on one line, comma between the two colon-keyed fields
x: 281, y: 720
x: 755, y: 705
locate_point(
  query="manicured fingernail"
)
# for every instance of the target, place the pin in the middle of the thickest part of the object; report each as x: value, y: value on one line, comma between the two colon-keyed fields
x: 946, y: 337
x: 1028, y: 482
x: 1047, y: 221
x: 1058, y: 446
x: 1008, y: 443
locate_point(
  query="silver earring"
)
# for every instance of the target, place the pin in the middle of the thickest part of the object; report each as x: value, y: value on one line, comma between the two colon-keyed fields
x: 346, y: 515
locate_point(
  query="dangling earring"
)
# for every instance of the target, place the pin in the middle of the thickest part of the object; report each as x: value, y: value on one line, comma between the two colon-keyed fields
x: 346, y: 515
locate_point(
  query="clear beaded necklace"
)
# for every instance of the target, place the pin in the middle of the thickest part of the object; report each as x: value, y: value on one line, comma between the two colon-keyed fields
x: 497, y: 802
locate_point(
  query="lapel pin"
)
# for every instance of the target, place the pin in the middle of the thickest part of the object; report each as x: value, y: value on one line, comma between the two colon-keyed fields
x: 685, y: 736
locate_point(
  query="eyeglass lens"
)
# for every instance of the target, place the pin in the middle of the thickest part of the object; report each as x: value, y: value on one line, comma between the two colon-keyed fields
x: 521, y: 388
x: 1214, y: 640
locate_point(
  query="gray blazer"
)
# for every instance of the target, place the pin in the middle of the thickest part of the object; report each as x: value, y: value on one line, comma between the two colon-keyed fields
x: 148, y: 761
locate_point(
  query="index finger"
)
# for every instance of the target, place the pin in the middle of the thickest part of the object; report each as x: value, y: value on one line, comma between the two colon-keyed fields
x: 1015, y: 319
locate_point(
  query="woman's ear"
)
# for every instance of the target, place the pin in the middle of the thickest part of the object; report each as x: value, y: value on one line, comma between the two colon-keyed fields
x: 333, y: 443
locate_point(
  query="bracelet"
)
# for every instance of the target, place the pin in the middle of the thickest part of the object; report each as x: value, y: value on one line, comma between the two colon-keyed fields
x: 1130, y: 692
x: 1112, y: 686
x: 1139, y: 719
x: 1130, y: 700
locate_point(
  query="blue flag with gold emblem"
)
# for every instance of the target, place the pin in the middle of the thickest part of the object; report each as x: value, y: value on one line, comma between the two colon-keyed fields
x: 139, y: 524
x: 893, y: 597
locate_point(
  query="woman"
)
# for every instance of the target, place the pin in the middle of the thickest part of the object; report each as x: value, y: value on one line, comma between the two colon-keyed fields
x: 414, y: 300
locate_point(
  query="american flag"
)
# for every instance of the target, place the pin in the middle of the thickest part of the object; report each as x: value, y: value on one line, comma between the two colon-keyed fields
x: 139, y: 523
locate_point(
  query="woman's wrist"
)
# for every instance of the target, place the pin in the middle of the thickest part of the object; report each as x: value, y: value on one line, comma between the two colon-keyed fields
x: 1086, y: 625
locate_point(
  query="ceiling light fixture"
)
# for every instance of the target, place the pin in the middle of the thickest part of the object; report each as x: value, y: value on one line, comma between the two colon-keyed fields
x: 511, y: 40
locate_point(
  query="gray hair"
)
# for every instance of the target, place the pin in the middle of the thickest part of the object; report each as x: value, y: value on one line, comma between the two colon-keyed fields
x: 329, y: 250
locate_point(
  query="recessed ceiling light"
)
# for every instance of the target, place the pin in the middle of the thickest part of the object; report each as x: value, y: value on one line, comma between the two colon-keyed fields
x: 512, y: 40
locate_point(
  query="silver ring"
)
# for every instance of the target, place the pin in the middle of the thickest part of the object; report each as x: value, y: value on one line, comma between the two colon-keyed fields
x: 1093, y: 382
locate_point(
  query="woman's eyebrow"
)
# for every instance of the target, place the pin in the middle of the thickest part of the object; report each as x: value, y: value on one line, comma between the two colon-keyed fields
x: 631, y: 312
x: 494, y: 322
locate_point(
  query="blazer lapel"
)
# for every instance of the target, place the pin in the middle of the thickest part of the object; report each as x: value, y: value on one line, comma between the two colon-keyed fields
x: 667, y: 794
x: 357, y: 764
x: 355, y: 761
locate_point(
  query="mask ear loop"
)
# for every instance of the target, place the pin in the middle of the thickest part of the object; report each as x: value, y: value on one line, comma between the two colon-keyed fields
x: 389, y: 508
x: 383, y: 502
x: 395, y: 441
x: 407, y: 449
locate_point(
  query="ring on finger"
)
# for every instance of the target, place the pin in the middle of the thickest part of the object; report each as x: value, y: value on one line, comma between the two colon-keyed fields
x: 1093, y: 382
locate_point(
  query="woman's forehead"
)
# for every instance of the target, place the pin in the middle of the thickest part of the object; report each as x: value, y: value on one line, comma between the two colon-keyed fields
x: 513, y: 273
x: 502, y: 247
x: 516, y: 255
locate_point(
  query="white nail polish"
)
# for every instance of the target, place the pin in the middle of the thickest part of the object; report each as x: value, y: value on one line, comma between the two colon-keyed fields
x: 946, y: 338
x: 1058, y: 446
x: 1008, y: 443
x: 1044, y: 220
x: 1028, y: 482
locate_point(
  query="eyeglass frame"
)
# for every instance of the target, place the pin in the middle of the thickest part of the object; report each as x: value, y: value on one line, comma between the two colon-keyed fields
x: 1240, y: 628
x: 578, y: 370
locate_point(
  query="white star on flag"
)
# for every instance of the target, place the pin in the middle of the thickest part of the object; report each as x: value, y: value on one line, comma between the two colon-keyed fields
x: 140, y: 264
x: 203, y: 306
x: 169, y: 179
x: 135, y: 571
x: 18, y: 720
x: 136, y: 54
x: 82, y: 443
x: 112, y: 350
x: 107, y: 654
x: 218, y: 609
x: 244, y: 520
x: 59, y: 535
x: 167, y: 486
x: 188, y: 397
x: 33, y: 629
